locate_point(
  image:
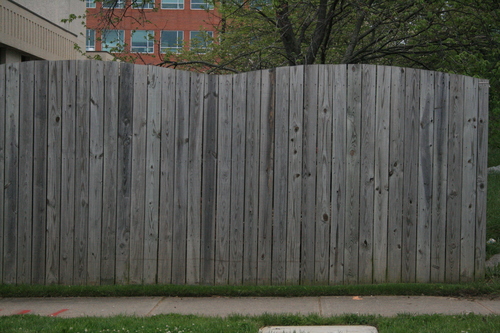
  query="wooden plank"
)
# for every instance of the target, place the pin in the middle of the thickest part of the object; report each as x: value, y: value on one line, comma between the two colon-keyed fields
x: 181, y: 178
x: 411, y: 140
x: 39, y: 173
x: 381, y: 194
x: 469, y: 180
x: 482, y: 174
x: 209, y: 186
x: 454, y: 202
x: 124, y: 172
x: 425, y: 170
x: 223, y: 200
x: 367, y: 164
x: 152, y: 195
x: 237, y: 179
x: 2, y: 160
x: 310, y: 125
x: 251, y: 213
x: 194, y: 179
x: 25, y: 198
x: 68, y: 137
x: 11, y: 178
x: 95, y: 171
x: 54, y: 133
x: 295, y: 130
x: 353, y: 145
x: 137, y: 200
x: 396, y: 176
x: 110, y: 165
x: 439, y: 177
x: 281, y: 175
x: 339, y: 162
x: 323, y: 163
x: 266, y: 176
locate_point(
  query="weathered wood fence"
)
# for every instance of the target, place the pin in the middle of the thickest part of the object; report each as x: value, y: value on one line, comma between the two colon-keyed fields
x: 325, y: 174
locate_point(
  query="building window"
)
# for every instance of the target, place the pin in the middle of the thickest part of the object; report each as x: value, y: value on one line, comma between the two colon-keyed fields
x: 171, y: 41
x: 143, y: 41
x: 200, y: 40
x: 113, y: 3
x: 90, y: 3
x: 143, y: 4
x: 112, y: 40
x: 90, y: 45
x: 201, y: 4
x: 172, y: 4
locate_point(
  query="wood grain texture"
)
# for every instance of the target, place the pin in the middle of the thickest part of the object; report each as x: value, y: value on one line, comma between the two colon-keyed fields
x: 2, y: 161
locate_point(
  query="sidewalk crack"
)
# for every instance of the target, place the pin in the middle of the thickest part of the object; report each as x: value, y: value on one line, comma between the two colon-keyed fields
x: 319, y: 305
x: 154, y: 307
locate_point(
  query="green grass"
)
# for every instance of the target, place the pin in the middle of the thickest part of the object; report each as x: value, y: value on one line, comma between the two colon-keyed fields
x: 406, y: 323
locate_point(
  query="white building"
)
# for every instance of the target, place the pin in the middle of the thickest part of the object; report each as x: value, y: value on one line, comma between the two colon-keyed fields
x: 32, y: 29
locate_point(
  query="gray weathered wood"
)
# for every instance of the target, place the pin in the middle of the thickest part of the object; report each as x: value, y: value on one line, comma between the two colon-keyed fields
x: 152, y: 177
x: 353, y: 145
x: 68, y: 137
x: 381, y: 181
x: 2, y: 162
x: 469, y: 181
x: 11, y: 180
x: 266, y: 176
x: 339, y: 163
x: 295, y: 131
x: 439, y: 178
x: 425, y: 171
x: 124, y: 173
x: 237, y: 193
x: 27, y: 75
x: 194, y: 179
x: 309, y: 158
x: 110, y: 173
x: 367, y: 164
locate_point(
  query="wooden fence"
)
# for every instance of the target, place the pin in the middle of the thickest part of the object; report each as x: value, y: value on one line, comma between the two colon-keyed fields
x: 324, y: 174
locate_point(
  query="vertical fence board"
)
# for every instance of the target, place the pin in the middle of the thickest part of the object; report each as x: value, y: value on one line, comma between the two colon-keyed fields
x: 152, y: 194
x: 110, y: 182
x: 339, y: 172
x: 381, y: 194
x: 439, y: 178
x: 280, y: 175
x: 310, y: 126
x: 425, y: 172
x: 396, y: 176
x: 209, y: 186
x: 68, y: 171
x: 181, y: 178
x: 11, y: 180
x: 223, y: 209
x: 295, y: 130
x: 39, y: 173
x: 367, y: 164
x: 454, y: 202
x: 167, y: 162
x: 353, y: 143
x: 412, y: 109
x: 194, y: 179
x: 482, y: 175
x: 251, y: 204
x: 137, y: 204
x: 124, y: 173
x: 266, y: 176
x: 237, y: 180
x: 468, y: 187
x: 2, y: 162
x: 324, y: 114
x: 26, y: 105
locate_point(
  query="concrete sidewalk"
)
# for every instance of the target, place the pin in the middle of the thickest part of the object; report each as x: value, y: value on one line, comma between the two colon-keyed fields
x: 223, y: 306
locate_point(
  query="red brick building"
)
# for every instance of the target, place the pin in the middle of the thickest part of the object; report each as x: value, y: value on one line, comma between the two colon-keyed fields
x: 147, y: 30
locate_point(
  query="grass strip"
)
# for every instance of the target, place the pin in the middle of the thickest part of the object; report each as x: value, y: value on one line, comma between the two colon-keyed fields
x: 173, y: 323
